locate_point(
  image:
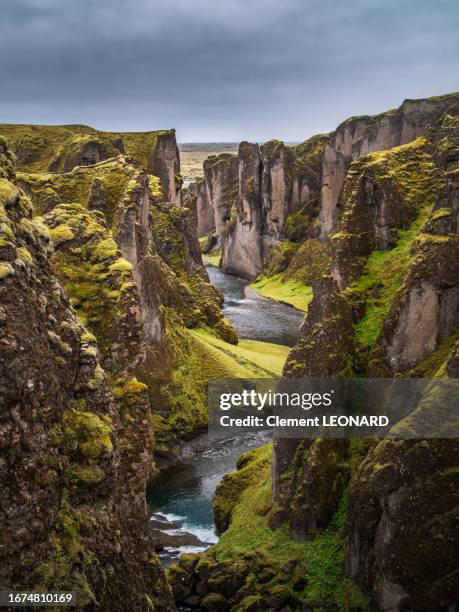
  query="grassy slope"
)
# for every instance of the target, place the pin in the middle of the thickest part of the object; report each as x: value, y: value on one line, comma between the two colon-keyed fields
x: 212, y: 260
x: 384, y: 269
x: 319, y: 561
x: 249, y: 359
x: 291, y: 292
x: 412, y: 169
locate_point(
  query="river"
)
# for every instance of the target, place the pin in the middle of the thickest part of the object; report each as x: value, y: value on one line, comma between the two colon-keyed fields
x: 180, y: 499
x: 254, y: 316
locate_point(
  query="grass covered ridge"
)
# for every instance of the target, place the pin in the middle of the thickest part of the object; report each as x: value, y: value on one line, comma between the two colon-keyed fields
x: 287, y: 291
x: 271, y: 566
x: 38, y: 146
x: 212, y: 260
x: 249, y: 359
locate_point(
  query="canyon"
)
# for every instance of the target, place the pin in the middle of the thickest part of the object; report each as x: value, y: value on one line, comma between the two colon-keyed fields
x: 111, y: 329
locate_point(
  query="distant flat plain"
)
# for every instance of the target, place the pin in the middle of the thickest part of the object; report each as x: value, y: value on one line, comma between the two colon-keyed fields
x: 193, y: 154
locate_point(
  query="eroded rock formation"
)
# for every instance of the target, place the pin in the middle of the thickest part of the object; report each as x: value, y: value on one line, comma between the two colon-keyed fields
x: 369, y: 524
x: 360, y: 136
x: 73, y: 470
x: 248, y: 199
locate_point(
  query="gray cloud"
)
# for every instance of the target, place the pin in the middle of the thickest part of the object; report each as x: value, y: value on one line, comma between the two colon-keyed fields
x: 225, y: 70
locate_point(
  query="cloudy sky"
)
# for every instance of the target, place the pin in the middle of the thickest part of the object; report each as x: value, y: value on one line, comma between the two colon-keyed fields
x: 222, y: 70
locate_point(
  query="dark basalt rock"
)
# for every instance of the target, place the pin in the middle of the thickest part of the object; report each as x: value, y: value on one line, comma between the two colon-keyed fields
x: 401, y: 525
x: 73, y: 471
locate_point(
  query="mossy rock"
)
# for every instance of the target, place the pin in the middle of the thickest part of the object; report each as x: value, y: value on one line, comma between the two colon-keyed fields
x: 86, y: 433
x: 214, y: 602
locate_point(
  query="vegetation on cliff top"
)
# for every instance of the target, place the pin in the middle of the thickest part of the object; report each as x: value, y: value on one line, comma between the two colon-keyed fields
x: 112, y: 177
x: 95, y: 275
x: 38, y: 146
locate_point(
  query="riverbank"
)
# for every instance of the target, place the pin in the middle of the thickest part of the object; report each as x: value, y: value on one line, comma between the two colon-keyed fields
x: 180, y: 497
x: 212, y: 260
x: 255, y: 316
x: 248, y: 359
x: 287, y: 292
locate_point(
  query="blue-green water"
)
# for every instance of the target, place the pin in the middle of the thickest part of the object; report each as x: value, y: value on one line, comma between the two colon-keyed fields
x: 254, y: 316
x: 181, y: 498
x: 184, y: 493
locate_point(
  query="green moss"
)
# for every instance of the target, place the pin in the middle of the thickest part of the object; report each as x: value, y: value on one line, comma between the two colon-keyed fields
x: 51, y: 190
x: 318, y: 579
x: 433, y: 365
x: 33, y: 230
x: 95, y: 275
x: 7, y: 161
x: 411, y: 169
x: 120, y: 265
x: 233, y: 484
x: 63, y: 567
x: 86, y: 433
x: 280, y: 257
x: 6, y: 270
x: 95, y: 382
x: 175, y: 386
x: 24, y: 255
x: 168, y: 237
x: 87, y: 474
x: 57, y: 341
x: 8, y: 192
x: 38, y: 146
x: 60, y: 234
x: 432, y: 238
x: 249, y: 359
x: 288, y: 291
x: 212, y: 259
x: 440, y: 213
x: 310, y: 262
x: 89, y: 351
x: 88, y: 337
x: 127, y: 391
x: 155, y: 187
x: 105, y: 249
x: 382, y: 278
x: 296, y: 226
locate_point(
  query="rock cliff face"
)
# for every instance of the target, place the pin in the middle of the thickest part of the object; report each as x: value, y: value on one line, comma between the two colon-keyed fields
x: 390, y: 307
x: 368, y: 524
x: 205, y: 213
x: 301, y: 186
x: 116, y: 384
x: 360, y: 136
x: 263, y: 196
x: 133, y: 235
x: 221, y: 180
x: 242, y: 249
x: 257, y: 223
x: 159, y: 241
x: 73, y: 468
x: 165, y: 164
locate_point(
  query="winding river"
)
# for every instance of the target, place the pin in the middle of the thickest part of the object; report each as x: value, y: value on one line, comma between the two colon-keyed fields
x: 180, y: 500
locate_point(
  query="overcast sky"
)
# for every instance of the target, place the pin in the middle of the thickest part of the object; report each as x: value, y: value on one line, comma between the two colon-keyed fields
x: 222, y: 70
